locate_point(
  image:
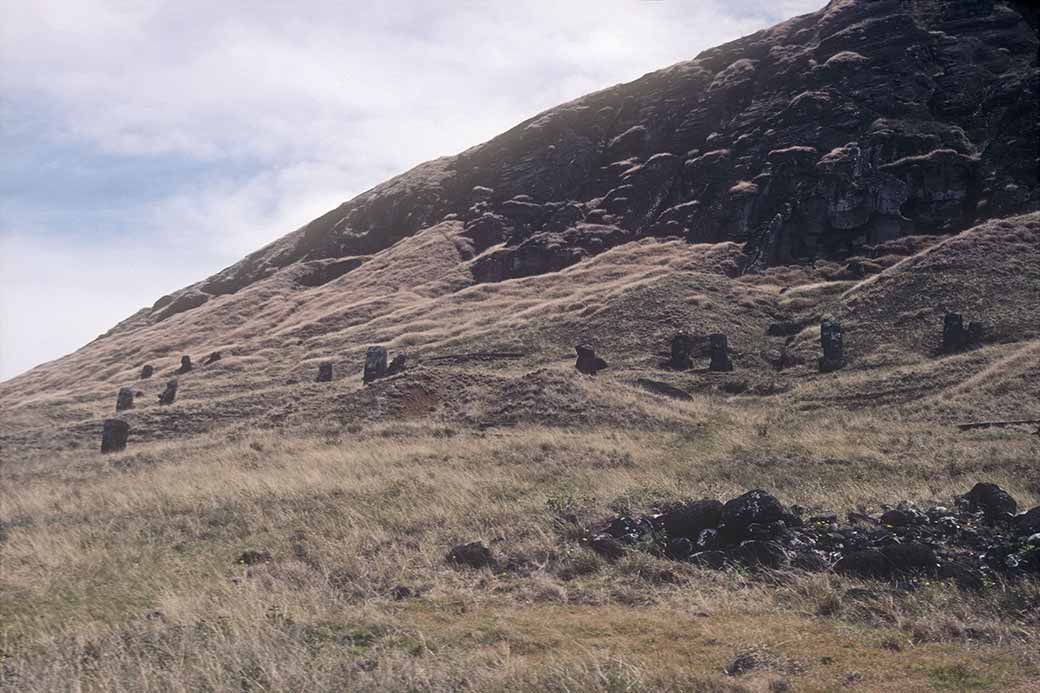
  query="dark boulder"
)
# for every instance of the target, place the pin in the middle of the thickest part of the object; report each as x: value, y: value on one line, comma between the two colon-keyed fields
x: 1028, y: 522
x: 710, y: 559
x: 868, y: 563
x: 114, y: 434
x: 588, y: 363
x: 690, y: 519
x: 125, y: 399
x: 991, y: 500
x: 185, y: 365
x: 472, y: 555
x: 680, y: 549
x: 754, y: 507
x: 911, y: 557
x: 759, y: 554
x: 325, y: 372
x: 375, y: 364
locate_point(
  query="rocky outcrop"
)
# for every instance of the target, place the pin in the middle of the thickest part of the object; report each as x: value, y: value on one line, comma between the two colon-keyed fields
x: 865, y: 121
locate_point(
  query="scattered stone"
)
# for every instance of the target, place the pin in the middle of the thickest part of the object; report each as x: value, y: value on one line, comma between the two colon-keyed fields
x: 1029, y: 522
x: 185, y: 365
x: 147, y: 371
x: 754, y: 507
x: 397, y: 365
x: 114, y: 435
x: 718, y: 345
x: 212, y: 358
x: 375, y: 364
x: 325, y: 372
x: 833, y: 346
x: 588, y: 363
x: 991, y: 500
x: 170, y: 393
x: 744, y: 663
x: 682, y: 345
x: 760, y: 554
x: 472, y: 555
x: 125, y: 399
x: 252, y: 557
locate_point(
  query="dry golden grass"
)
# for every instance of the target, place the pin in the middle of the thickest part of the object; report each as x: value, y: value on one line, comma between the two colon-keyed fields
x: 119, y: 571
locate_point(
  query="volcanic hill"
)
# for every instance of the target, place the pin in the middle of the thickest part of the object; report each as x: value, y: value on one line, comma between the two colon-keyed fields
x: 487, y: 517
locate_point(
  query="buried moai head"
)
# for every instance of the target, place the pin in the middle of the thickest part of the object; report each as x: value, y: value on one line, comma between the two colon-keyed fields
x: 146, y: 371
x: 185, y: 364
x: 682, y: 345
x: 956, y: 335
x: 325, y: 372
x: 375, y: 364
x: 832, y: 343
x: 719, y: 347
x: 588, y: 363
x: 114, y: 435
x: 125, y: 399
x: 170, y: 393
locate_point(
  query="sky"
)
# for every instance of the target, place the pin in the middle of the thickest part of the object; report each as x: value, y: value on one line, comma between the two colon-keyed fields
x: 147, y: 144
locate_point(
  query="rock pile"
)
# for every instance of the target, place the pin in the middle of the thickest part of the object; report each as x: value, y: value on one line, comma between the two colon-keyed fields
x: 976, y: 539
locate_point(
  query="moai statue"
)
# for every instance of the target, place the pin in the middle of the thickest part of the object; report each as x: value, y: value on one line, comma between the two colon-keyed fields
x: 954, y: 336
x: 325, y: 372
x: 833, y: 345
x: 681, y: 347
x: 375, y: 364
x: 719, y: 346
x: 397, y: 365
x: 114, y: 435
x: 588, y: 363
x: 170, y: 393
x: 125, y: 399
x: 185, y: 364
x: 147, y: 371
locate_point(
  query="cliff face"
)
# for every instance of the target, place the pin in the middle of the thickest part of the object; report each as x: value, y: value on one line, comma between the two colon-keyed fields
x: 860, y: 123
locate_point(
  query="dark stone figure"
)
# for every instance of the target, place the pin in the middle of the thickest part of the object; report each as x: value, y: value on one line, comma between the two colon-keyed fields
x: 185, y: 364
x: 588, y: 363
x: 681, y: 347
x: 720, y: 360
x: 833, y: 344
x: 170, y: 393
x: 147, y: 371
x: 325, y: 372
x: 125, y: 399
x: 957, y: 335
x: 114, y: 435
x: 212, y: 358
x: 397, y: 365
x: 375, y: 364
x: 954, y: 335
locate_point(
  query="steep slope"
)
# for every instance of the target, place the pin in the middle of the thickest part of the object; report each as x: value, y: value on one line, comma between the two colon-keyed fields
x: 692, y: 198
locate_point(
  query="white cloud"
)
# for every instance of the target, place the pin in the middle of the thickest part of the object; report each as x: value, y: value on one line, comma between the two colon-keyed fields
x: 287, y: 109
